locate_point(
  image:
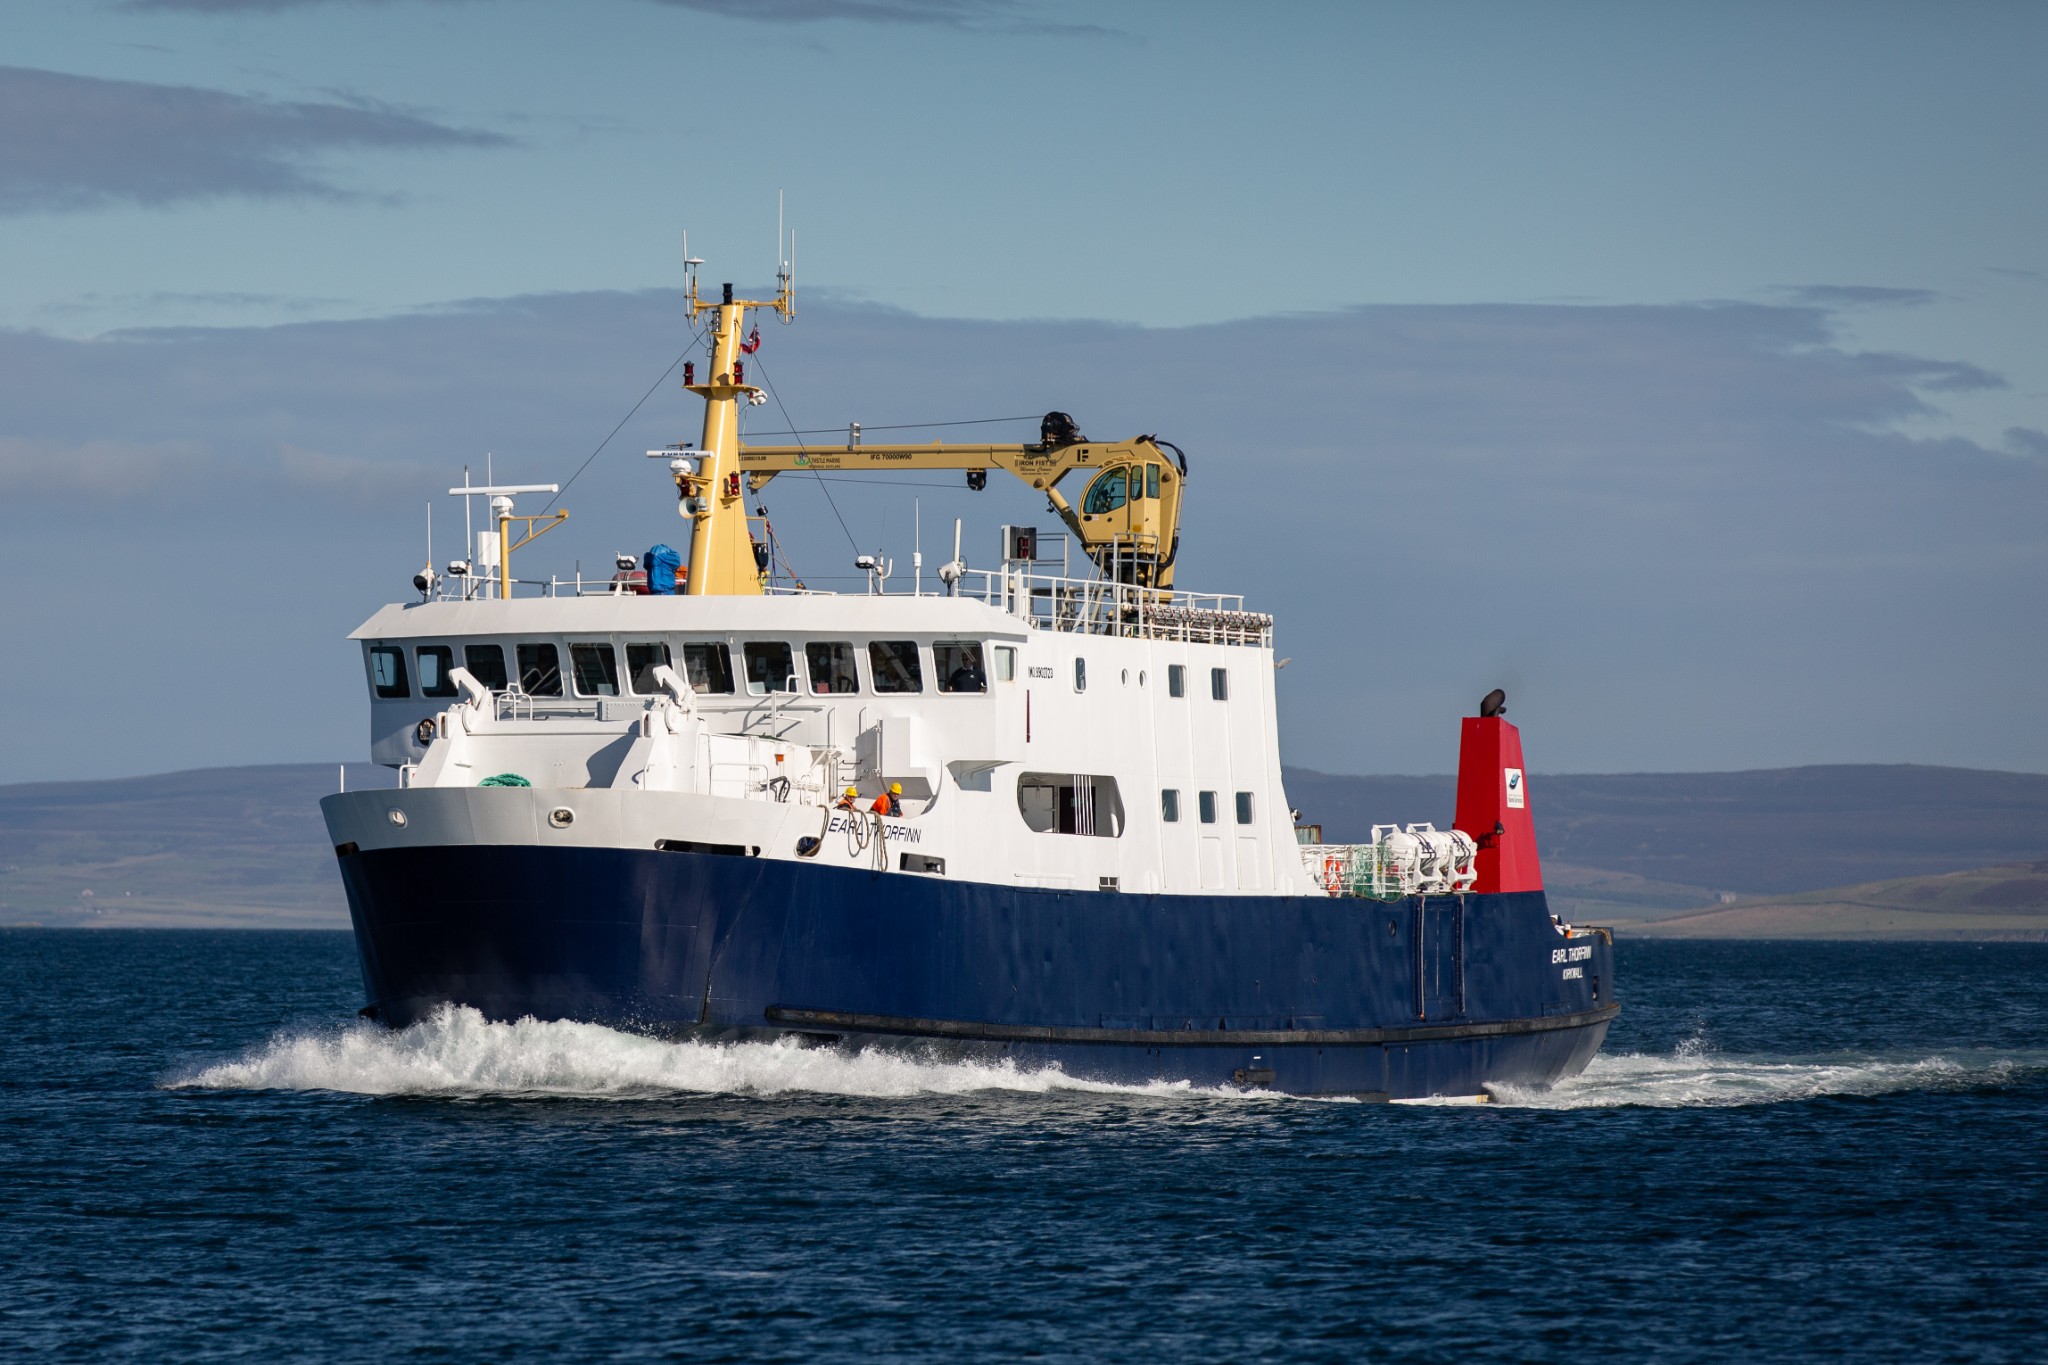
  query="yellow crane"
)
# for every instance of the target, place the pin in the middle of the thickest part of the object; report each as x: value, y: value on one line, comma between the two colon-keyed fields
x: 1127, y: 516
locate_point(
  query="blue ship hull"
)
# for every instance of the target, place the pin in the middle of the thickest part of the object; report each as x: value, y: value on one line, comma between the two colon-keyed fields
x: 1312, y: 995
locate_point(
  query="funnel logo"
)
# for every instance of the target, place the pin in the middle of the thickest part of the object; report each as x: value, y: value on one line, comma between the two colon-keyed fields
x: 1518, y: 796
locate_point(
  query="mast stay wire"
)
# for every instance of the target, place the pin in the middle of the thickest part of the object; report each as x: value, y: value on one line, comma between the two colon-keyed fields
x: 776, y: 393
x: 696, y: 339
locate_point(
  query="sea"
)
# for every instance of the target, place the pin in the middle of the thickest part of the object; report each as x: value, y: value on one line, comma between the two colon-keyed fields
x: 1786, y: 1152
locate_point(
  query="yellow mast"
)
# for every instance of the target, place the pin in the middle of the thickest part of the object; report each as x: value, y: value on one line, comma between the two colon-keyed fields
x: 722, y: 557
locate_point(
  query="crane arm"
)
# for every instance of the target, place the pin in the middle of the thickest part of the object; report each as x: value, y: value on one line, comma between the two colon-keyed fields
x: 1128, y: 518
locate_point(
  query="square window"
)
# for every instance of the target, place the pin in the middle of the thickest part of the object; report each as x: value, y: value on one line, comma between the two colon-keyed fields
x: 540, y: 671
x: 1244, y: 808
x: 387, y: 672
x: 641, y: 661
x: 709, y: 668
x: 486, y: 663
x: 832, y: 667
x: 1207, y: 803
x: 771, y: 666
x: 895, y: 665
x: 596, y: 668
x: 1006, y: 664
x: 1219, y: 683
x: 1169, y: 806
x: 436, y: 663
x: 1176, y: 680
x: 958, y: 666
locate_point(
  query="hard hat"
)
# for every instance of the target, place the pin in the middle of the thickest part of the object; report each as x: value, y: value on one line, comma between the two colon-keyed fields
x: 895, y: 789
x: 851, y: 792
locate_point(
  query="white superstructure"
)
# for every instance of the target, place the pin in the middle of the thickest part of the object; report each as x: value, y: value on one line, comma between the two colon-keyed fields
x: 1024, y: 709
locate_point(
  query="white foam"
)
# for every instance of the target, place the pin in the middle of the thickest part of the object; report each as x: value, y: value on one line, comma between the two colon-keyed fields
x: 1695, y: 1076
x: 458, y: 1052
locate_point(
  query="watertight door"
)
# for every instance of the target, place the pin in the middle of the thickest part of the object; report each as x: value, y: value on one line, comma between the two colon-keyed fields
x: 1439, y: 958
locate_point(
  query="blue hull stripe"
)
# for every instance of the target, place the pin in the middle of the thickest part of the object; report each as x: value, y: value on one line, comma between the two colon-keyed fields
x: 1435, y: 997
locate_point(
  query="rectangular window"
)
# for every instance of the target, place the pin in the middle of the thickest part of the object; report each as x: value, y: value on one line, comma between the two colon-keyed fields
x: 641, y: 661
x: 1244, y: 808
x: 596, y: 668
x: 1169, y: 806
x: 436, y: 662
x: 832, y: 668
x: 486, y: 663
x: 1080, y: 675
x: 1151, y: 480
x: 1176, y: 680
x: 1207, y: 802
x: 1006, y: 664
x: 709, y: 668
x: 1071, y: 803
x: 771, y: 666
x: 895, y: 666
x: 387, y: 672
x: 540, y: 671
x: 958, y: 666
x: 1219, y: 683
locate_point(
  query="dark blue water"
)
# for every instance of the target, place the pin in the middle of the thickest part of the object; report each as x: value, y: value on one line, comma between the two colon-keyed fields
x: 1788, y: 1152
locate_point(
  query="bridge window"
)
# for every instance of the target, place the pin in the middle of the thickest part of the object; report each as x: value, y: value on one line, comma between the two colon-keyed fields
x: 709, y: 668
x: 641, y: 661
x: 1108, y: 492
x: 436, y: 661
x: 1207, y: 802
x: 958, y: 665
x: 1219, y: 683
x: 1176, y: 680
x: 1244, y: 808
x: 895, y: 666
x: 1071, y: 803
x: 486, y: 663
x: 832, y: 667
x: 1169, y: 805
x: 540, y: 670
x: 596, y: 668
x: 771, y: 666
x: 1006, y: 664
x: 387, y: 672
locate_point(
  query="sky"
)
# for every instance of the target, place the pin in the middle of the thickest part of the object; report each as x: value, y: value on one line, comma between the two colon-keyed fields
x: 1683, y: 370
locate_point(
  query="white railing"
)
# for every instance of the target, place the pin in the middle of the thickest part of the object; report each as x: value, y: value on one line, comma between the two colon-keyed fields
x: 1055, y: 602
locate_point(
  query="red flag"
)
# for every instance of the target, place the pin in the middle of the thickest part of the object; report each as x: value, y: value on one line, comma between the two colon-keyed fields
x: 753, y: 341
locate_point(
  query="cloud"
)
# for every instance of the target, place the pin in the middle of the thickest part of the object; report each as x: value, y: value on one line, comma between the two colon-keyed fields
x: 999, y: 16
x: 1682, y: 536
x: 1860, y: 296
x: 2027, y: 441
x: 79, y: 142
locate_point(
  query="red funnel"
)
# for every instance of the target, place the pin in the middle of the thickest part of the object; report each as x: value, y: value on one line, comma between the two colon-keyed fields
x: 1493, y: 806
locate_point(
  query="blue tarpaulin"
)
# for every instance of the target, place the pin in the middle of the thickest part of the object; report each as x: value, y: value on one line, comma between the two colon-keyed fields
x: 661, y: 564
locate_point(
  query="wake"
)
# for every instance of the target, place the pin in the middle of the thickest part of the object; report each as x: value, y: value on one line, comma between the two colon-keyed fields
x: 1694, y: 1076
x: 457, y: 1053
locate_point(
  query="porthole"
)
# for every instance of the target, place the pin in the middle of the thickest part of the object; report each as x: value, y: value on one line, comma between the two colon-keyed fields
x: 561, y: 817
x: 1127, y: 677
x: 1141, y: 677
x: 395, y: 816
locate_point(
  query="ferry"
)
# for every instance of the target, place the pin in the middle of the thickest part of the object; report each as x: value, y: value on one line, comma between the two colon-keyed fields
x: 1034, y: 814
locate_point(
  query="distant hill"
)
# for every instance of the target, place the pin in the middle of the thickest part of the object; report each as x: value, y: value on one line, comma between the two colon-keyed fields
x: 213, y: 846
x: 1771, y: 832
x: 2009, y: 902
x: 246, y: 846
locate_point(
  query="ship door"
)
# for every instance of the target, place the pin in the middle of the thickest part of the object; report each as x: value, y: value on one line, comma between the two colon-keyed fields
x: 1440, y: 957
